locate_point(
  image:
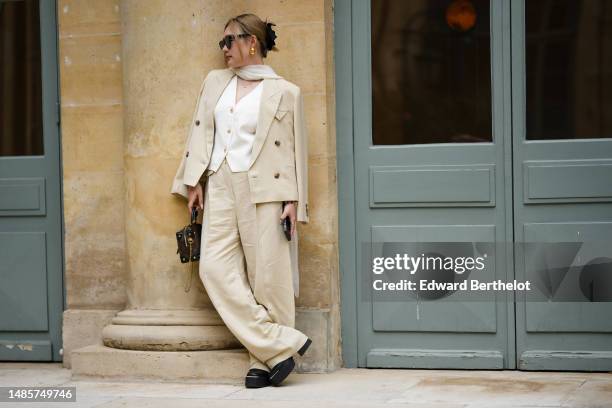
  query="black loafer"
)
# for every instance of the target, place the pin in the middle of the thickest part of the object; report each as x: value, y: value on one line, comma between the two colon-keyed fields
x: 303, y: 349
x: 280, y: 371
x: 257, y: 378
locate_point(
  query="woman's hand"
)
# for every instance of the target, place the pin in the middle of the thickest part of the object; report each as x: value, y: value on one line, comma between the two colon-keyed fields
x: 291, y: 212
x: 195, y: 197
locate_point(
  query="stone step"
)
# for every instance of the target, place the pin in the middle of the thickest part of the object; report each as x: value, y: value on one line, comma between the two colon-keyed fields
x: 101, y: 362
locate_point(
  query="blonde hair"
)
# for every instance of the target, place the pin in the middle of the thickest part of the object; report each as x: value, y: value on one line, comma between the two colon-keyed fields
x: 252, y: 24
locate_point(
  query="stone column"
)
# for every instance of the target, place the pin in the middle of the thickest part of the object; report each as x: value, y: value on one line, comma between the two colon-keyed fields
x: 166, y: 51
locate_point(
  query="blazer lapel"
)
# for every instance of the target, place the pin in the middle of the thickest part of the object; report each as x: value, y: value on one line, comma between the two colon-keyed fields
x: 270, y: 99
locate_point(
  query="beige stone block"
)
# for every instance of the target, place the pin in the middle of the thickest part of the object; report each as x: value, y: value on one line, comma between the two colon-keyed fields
x: 164, y: 44
x: 315, y: 266
x: 315, y: 324
x: 93, y: 204
x: 321, y: 202
x: 88, y: 17
x: 92, y: 138
x: 82, y: 328
x: 94, y: 241
x: 218, y: 12
x: 285, y: 12
x: 335, y: 327
x: 93, y: 291
x: 90, y: 70
x: 301, y: 56
x: 105, y: 362
x: 315, y: 112
x: 148, y: 182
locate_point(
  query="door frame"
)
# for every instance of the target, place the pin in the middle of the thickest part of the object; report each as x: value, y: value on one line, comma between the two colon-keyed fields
x: 49, y: 31
x: 346, y: 180
x: 501, y: 107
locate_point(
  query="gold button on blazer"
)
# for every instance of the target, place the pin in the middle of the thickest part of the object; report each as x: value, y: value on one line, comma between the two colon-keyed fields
x: 278, y: 170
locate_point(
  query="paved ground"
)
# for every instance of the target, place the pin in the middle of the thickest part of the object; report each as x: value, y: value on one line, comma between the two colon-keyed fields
x: 372, y: 388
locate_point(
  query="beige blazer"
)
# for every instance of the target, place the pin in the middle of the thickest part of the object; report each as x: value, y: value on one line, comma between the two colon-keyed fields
x: 279, y: 161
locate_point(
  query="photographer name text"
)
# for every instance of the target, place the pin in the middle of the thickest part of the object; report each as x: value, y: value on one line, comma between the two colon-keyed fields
x: 423, y: 263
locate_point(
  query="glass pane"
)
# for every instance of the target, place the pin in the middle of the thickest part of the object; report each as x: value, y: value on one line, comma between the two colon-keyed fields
x: 569, y: 69
x: 20, y: 79
x: 431, y: 71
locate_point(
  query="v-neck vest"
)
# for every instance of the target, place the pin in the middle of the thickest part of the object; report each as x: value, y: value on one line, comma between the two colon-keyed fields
x: 235, y: 127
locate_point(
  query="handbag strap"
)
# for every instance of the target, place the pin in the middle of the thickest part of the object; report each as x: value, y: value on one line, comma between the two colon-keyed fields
x: 191, y: 270
x: 194, y: 217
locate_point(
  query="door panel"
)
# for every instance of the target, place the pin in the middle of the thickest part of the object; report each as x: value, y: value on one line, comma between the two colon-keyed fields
x: 31, y: 267
x: 562, y: 172
x: 430, y: 172
x: 459, y: 317
x: 411, y: 186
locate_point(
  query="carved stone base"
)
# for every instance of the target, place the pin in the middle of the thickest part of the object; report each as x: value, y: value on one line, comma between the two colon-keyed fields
x: 168, y: 330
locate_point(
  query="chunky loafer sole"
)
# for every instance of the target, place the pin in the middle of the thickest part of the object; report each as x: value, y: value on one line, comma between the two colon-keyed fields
x: 257, y: 378
x: 280, y: 371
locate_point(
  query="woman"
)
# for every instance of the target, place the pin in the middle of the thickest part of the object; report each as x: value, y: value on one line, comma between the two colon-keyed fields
x: 247, y: 146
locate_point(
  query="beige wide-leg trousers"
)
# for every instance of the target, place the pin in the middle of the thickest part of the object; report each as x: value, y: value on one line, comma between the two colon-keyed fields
x: 245, y: 267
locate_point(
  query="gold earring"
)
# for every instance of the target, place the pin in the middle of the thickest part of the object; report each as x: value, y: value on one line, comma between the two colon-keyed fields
x: 252, y: 51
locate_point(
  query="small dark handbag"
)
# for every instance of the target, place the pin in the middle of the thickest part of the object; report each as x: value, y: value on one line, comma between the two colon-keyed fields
x: 188, y: 241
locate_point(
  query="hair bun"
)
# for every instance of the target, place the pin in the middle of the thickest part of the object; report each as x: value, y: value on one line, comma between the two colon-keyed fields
x: 270, y: 36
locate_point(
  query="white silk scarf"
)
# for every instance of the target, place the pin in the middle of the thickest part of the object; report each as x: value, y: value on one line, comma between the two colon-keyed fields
x: 256, y: 71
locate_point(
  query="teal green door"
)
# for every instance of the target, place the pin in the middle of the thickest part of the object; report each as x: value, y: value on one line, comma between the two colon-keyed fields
x: 562, y: 177
x: 31, y: 279
x: 436, y: 160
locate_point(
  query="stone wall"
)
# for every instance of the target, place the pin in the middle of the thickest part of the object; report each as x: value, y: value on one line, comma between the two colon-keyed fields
x: 92, y: 164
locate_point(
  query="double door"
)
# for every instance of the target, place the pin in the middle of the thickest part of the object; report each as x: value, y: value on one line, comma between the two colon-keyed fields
x: 477, y: 129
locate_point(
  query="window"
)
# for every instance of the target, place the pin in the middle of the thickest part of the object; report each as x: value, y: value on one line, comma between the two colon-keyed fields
x: 21, y: 130
x: 431, y: 71
x: 569, y: 69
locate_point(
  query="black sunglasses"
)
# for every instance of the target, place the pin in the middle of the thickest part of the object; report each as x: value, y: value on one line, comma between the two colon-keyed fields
x: 227, y: 40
